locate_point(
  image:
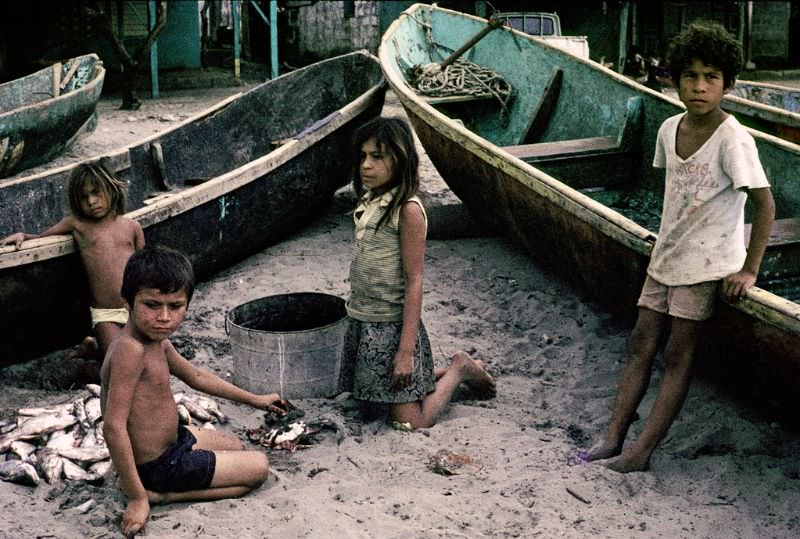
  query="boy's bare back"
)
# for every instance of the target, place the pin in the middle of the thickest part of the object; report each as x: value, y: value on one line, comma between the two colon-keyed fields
x: 136, y: 378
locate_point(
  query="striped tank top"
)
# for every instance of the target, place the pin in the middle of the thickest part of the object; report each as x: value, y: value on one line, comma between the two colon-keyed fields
x: 377, y: 282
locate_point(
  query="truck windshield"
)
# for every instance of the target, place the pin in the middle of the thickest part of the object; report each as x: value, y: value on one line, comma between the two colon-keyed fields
x: 531, y: 24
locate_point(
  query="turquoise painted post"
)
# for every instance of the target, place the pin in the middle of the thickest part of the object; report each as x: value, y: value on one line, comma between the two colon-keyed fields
x: 273, y: 37
x: 151, y: 16
x: 236, y: 48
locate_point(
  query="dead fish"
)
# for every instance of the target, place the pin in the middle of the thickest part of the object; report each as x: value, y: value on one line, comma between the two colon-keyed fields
x: 20, y: 472
x: 50, y: 464
x: 98, y: 433
x: 45, y: 410
x: 211, y: 406
x: 7, y: 426
x: 177, y: 397
x: 79, y: 411
x: 62, y: 439
x: 100, y: 468
x: 93, y: 412
x: 36, y: 426
x: 183, y: 415
x: 446, y: 462
x: 89, y: 439
x: 196, y: 410
x: 74, y: 472
x: 296, y: 430
x: 85, y: 454
x: 20, y: 450
x: 208, y: 426
x: 94, y: 389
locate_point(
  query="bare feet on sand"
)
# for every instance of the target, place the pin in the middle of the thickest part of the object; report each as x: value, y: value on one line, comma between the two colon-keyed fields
x: 627, y: 462
x: 85, y: 361
x: 601, y: 451
x: 475, y: 374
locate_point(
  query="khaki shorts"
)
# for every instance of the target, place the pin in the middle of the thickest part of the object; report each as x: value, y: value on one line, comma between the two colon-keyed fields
x: 693, y: 302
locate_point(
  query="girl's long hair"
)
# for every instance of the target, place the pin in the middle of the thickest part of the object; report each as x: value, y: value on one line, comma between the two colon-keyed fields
x: 394, y: 136
x: 99, y: 175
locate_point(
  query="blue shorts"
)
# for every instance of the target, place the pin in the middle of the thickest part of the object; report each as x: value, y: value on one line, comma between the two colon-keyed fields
x: 179, y: 469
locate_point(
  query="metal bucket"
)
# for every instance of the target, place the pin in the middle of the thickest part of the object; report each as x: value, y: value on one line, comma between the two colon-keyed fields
x: 290, y: 344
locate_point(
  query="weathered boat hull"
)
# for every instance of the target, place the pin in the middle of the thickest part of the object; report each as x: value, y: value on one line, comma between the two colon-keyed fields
x: 42, y: 114
x: 767, y: 107
x: 251, y: 194
x: 554, y: 204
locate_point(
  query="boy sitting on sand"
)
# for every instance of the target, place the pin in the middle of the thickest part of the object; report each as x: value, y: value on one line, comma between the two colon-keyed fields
x: 158, y: 460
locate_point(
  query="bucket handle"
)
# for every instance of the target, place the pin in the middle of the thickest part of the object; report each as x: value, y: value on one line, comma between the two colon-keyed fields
x: 227, y: 329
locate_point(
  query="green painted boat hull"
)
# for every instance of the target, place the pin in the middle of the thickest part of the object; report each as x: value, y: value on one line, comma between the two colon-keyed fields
x: 584, y: 197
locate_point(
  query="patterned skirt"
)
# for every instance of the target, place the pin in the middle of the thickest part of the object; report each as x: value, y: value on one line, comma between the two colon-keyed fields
x: 368, y: 362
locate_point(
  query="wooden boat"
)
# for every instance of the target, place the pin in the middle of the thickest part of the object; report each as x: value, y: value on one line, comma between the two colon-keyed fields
x: 220, y: 186
x: 767, y: 107
x: 568, y: 172
x: 42, y: 114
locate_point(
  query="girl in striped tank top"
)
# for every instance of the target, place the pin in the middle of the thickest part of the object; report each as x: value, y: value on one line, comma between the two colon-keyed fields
x: 387, y: 356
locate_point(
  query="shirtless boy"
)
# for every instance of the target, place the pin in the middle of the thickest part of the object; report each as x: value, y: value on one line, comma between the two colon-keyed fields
x: 158, y: 460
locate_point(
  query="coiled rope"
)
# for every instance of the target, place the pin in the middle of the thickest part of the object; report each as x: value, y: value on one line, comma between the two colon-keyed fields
x: 459, y: 77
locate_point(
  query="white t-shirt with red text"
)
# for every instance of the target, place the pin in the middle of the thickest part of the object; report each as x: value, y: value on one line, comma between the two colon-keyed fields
x: 701, y: 237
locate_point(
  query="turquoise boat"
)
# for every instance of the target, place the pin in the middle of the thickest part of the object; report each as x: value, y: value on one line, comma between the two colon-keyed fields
x: 563, y: 165
x: 771, y: 108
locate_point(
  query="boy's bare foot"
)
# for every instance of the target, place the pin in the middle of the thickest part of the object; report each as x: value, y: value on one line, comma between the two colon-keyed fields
x: 627, y: 462
x: 475, y: 375
x: 601, y: 451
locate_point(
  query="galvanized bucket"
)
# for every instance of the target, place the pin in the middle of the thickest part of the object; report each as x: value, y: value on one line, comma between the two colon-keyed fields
x: 290, y: 344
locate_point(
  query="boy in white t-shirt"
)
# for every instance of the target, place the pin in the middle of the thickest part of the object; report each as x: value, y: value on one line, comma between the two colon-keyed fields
x: 712, y: 166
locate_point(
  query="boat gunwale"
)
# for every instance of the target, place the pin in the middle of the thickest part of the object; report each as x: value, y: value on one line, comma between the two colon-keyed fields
x: 758, y: 302
x: 39, y: 249
x: 764, y: 111
x: 98, y: 75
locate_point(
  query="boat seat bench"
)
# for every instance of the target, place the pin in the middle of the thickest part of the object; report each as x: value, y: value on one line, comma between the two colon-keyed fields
x: 569, y: 160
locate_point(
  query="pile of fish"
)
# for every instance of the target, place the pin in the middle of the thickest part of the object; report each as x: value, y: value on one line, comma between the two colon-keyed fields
x: 66, y: 441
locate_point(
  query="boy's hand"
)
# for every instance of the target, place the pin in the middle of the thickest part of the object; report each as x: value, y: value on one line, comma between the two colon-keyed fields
x: 16, y: 239
x: 271, y: 403
x: 403, y: 367
x: 735, y: 286
x: 135, y: 516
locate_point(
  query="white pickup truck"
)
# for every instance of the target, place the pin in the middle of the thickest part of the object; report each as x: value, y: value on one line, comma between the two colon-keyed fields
x: 547, y: 26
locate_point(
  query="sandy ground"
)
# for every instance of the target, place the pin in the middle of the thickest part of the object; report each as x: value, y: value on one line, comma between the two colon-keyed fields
x: 722, y: 472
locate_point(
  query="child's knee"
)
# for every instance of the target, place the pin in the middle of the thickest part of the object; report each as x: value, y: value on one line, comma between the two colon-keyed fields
x: 261, y: 466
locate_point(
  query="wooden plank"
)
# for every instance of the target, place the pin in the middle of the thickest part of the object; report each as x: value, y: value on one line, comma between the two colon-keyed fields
x: 563, y: 148
x: 784, y: 232
x: 540, y: 117
x: 458, y: 99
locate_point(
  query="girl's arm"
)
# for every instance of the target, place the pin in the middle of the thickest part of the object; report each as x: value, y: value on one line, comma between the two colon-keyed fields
x: 138, y: 242
x: 734, y: 286
x: 412, y: 251
x: 208, y: 382
x: 64, y: 226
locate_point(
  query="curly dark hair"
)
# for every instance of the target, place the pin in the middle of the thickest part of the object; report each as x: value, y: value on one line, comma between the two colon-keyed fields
x: 709, y: 42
